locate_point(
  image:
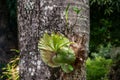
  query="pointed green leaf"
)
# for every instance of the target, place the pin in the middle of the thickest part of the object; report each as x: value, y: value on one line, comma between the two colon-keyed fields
x: 67, y: 68
x: 77, y: 10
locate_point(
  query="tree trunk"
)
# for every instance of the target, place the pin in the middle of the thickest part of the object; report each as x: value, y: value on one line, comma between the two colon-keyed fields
x: 8, y: 40
x: 3, y: 29
x: 114, y: 73
x: 36, y: 17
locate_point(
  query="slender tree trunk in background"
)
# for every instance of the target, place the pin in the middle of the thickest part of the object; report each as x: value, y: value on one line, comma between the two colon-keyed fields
x: 114, y: 73
x: 7, y: 39
x: 34, y: 18
x: 3, y: 30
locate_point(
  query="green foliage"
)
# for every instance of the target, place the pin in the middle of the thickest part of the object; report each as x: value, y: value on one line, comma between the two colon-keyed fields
x: 100, y: 30
x: 64, y: 55
x: 103, y: 51
x: 11, y: 72
x: 66, y: 13
x: 104, y: 15
x: 77, y: 10
x: 55, y: 51
x: 15, y: 50
x: 67, y: 68
x: 53, y: 42
x: 98, y: 68
x: 109, y: 5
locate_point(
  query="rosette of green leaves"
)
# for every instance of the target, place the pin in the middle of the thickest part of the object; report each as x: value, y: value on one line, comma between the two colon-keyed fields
x: 55, y: 51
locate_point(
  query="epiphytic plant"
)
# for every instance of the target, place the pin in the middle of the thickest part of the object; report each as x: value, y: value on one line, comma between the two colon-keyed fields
x: 55, y: 51
x: 59, y: 51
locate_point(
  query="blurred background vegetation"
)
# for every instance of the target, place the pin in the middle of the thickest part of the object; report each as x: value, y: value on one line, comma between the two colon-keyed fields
x: 104, y: 55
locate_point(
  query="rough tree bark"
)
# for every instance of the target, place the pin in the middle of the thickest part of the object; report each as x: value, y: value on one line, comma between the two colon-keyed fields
x: 34, y: 18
